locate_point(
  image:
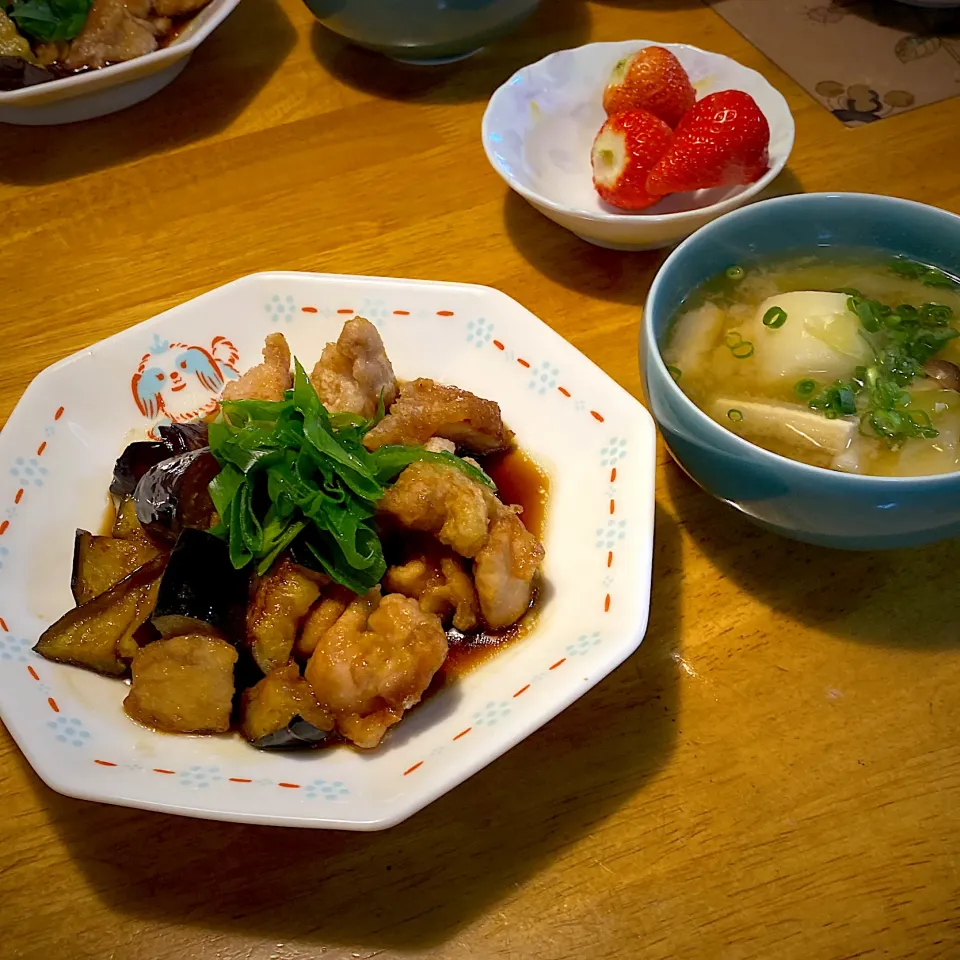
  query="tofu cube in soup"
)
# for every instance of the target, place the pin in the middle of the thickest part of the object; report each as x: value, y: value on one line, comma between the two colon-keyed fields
x: 183, y: 685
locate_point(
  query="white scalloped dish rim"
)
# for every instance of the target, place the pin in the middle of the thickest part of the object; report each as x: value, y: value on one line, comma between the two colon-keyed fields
x: 89, y: 82
x: 596, y: 442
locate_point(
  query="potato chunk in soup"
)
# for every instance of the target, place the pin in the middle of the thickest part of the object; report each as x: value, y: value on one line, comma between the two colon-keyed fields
x: 820, y: 337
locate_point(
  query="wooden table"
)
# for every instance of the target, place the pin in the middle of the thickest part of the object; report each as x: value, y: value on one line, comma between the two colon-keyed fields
x: 775, y: 774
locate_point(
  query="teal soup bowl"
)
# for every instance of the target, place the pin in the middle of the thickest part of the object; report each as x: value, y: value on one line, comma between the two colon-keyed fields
x: 794, y: 499
x: 422, y: 31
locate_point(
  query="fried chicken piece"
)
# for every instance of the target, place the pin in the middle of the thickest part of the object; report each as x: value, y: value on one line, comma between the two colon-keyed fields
x: 443, y: 501
x: 504, y: 570
x: 282, y: 598
x: 323, y: 615
x: 428, y: 409
x: 376, y: 662
x: 442, y: 586
x: 269, y: 706
x: 183, y: 684
x: 114, y: 30
x: 352, y: 373
x: 268, y: 380
x: 439, y: 445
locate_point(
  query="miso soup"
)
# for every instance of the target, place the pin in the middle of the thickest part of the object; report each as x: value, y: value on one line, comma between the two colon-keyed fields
x: 849, y: 361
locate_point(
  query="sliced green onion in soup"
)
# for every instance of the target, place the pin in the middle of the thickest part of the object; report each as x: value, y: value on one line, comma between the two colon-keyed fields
x: 735, y: 273
x: 775, y: 318
x: 735, y: 415
x: 675, y: 372
x: 805, y: 388
x: 739, y: 347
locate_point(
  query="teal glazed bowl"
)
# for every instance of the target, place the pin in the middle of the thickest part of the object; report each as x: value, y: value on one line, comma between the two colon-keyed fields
x: 806, y: 503
x: 422, y: 31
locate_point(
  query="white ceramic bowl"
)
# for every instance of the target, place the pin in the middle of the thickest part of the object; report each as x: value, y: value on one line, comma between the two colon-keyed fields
x: 539, y: 126
x: 595, y: 441
x: 115, y: 87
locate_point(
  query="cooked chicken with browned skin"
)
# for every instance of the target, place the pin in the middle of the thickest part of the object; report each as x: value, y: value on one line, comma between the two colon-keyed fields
x: 280, y: 696
x: 353, y: 373
x: 440, y: 584
x: 268, y: 380
x: 115, y: 30
x: 439, y: 445
x: 376, y: 662
x: 443, y: 501
x: 282, y: 599
x: 183, y: 684
x: 428, y: 409
x: 322, y: 616
x: 504, y: 569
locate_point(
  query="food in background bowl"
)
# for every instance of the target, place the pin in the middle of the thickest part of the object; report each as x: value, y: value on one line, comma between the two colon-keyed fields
x: 842, y: 360
x: 42, y: 40
x: 310, y: 559
x: 721, y: 141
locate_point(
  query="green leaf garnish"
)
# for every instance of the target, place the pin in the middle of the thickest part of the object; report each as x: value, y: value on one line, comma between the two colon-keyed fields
x: 50, y: 20
x: 292, y: 471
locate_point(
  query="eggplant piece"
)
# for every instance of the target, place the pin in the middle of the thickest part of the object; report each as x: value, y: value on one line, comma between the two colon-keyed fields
x: 182, y: 437
x: 100, y: 634
x: 200, y: 592
x: 173, y: 495
x: 280, y: 712
x: 183, y: 685
x: 17, y: 73
x: 100, y: 562
x: 281, y: 601
x: 139, y: 457
x: 126, y: 525
x: 133, y: 463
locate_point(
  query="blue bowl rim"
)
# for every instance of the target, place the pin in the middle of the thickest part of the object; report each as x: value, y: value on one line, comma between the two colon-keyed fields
x: 713, y: 429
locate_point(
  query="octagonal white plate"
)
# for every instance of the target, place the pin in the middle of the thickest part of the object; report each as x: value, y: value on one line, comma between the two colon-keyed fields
x: 595, y: 441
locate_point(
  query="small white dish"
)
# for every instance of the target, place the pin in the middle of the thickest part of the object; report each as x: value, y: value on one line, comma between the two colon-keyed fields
x: 96, y: 93
x: 539, y: 126
x: 595, y: 441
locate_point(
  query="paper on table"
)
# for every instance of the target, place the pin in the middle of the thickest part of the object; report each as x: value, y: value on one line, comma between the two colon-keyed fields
x: 864, y: 60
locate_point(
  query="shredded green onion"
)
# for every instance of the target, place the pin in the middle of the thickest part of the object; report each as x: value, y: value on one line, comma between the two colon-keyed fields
x: 292, y: 471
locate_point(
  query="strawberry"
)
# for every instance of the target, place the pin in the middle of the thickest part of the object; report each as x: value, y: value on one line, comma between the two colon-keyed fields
x: 721, y: 141
x: 652, y: 80
x: 626, y: 149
